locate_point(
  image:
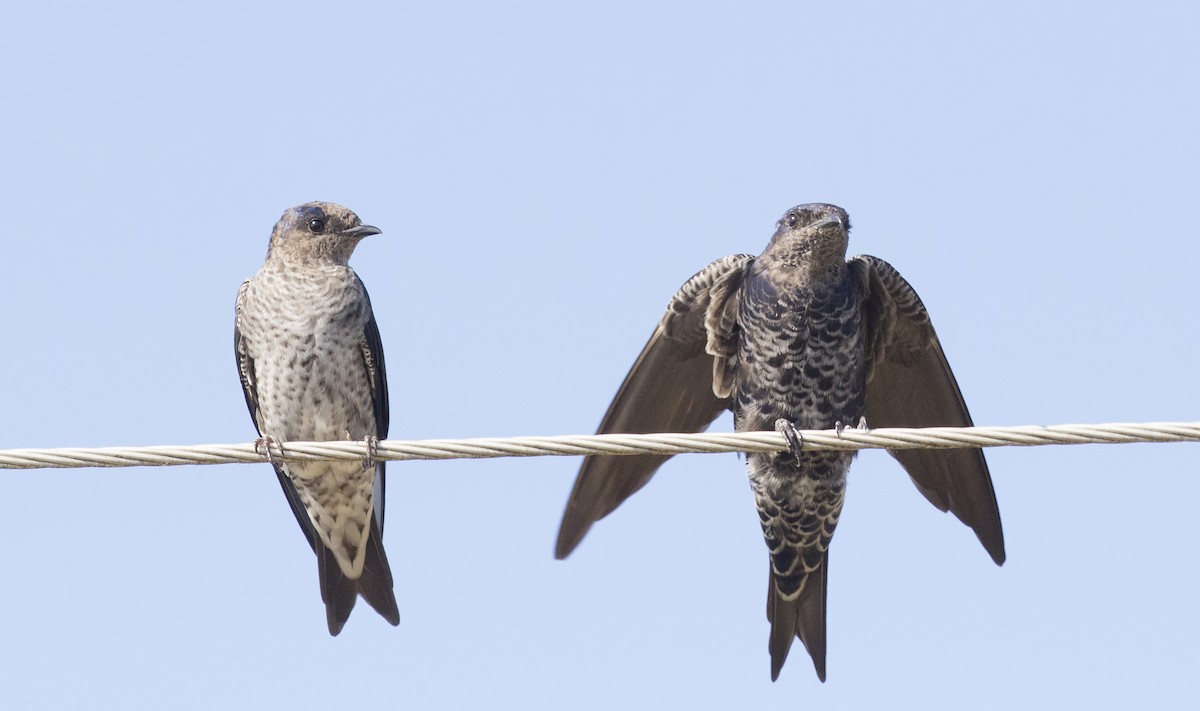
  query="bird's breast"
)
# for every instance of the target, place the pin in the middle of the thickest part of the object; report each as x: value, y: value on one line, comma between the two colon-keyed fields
x: 306, y: 345
x: 800, y: 355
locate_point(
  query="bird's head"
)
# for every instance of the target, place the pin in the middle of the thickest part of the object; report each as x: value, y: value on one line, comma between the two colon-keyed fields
x: 318, y: 232
x: 813, y: 235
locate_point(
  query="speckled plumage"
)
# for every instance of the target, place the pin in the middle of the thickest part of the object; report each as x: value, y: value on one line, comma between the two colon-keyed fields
x: 798, y: 334
x: 312, y: 369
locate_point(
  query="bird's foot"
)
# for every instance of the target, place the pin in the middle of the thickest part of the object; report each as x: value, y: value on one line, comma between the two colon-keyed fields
x: 840, y: 426
x: 788, y: 430
x: 372, y: 443
x: 263, y: 445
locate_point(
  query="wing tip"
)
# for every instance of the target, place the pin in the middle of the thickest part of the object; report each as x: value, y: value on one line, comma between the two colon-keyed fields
x: 995, y: 549
x: 569, y: 538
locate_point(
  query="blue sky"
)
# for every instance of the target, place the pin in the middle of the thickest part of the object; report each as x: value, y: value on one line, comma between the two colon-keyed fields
x: 546, y: 175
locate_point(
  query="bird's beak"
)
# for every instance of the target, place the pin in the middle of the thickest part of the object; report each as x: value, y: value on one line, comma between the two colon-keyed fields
x: 828, y: 222
x: 362, y: 231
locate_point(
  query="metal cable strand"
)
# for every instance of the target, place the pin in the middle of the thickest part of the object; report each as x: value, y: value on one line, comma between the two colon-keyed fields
x: 611, y: 444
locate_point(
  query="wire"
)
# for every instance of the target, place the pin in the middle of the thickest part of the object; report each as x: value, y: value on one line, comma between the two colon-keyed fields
x: 609, y: 444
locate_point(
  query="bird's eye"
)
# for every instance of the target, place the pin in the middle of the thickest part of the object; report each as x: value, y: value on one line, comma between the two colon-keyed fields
x: 792, y: 219
x: 316, y: 225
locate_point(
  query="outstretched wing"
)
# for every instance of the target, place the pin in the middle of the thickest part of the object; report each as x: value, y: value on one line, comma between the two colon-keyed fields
x: 670, y: 388
x: 910, y: 384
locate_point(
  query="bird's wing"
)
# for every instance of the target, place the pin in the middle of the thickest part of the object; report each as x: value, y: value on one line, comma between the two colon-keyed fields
x: 372, y: 354
x: 670, y: 388
x: 910, y: 385
x: 375, y: 585
x: 244, y: 362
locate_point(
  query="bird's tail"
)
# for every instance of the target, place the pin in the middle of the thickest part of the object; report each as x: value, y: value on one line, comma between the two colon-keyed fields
x: 802, y: 617
x: 340, y: 592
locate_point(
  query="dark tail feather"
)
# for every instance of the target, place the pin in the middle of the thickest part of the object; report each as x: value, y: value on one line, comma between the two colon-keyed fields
x: 782, y: 616
x: 803, y: 617
x: 337, y: 591
x: 811, y: 627
x: 340, y: 592
x: 375, y: 585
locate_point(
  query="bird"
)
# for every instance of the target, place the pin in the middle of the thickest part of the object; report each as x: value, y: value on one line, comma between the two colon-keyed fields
x: 799, y: 337
x: 311, y: 365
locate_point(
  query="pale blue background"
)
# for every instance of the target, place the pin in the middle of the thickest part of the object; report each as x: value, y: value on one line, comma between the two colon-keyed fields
x: 546, y: 175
